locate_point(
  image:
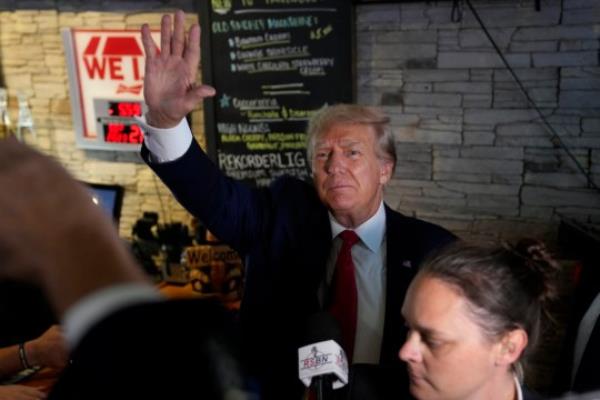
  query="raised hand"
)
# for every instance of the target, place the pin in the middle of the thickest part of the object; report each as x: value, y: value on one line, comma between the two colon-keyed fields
x: 170, y: 88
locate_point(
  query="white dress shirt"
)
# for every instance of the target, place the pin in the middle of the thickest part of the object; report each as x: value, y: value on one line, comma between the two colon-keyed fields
x: 166, y: 144
x: 518, y: 389
x: 369, y: 256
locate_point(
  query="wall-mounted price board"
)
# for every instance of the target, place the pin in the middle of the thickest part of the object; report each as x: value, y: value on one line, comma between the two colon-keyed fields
x: 106, y: 79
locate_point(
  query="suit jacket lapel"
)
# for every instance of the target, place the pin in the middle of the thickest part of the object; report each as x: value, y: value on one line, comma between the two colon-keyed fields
x: 317, y: 246
x: 400, y: 272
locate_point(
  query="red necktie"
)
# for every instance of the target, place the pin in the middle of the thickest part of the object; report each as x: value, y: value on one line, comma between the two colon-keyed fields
x: 344, y: 303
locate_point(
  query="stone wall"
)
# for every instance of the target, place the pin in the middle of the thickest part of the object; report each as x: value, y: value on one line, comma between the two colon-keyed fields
x: 32, y: 61
x: 473, y: 155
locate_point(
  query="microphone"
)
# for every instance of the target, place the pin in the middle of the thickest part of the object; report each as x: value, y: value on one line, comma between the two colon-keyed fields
x: 322, y: 363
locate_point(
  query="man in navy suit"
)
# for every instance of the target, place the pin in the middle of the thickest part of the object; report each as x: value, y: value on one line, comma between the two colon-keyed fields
x: 288, y: 233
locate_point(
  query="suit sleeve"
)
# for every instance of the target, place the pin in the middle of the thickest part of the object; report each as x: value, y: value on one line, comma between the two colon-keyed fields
x: 235, y: 213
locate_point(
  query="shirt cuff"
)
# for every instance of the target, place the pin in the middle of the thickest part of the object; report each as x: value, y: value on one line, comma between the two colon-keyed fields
x: 91, y: 309
x: 166, y: 144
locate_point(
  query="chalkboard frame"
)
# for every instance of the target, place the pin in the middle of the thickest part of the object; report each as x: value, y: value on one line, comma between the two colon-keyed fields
x: 208, y: 74
x: 208, y: 79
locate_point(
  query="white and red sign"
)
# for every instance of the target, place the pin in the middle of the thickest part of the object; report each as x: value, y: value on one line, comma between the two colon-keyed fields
x: 107, y: 69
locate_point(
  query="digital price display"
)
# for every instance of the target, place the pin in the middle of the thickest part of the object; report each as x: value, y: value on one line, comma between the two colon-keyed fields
x: 118, y: 127
x: 124, y: 109
x: 116, y: 124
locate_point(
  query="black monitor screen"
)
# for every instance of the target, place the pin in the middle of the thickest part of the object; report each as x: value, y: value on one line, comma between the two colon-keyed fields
x: 109, y: 197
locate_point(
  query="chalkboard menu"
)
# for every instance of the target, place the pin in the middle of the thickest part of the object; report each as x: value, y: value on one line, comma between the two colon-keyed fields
x: 273, y: 63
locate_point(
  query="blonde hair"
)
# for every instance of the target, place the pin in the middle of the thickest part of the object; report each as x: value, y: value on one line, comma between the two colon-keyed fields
x: 350, y: 114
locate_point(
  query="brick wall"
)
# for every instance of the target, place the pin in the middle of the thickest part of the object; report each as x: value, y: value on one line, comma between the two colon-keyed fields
x: 472, y: 155
x: 32, y: 61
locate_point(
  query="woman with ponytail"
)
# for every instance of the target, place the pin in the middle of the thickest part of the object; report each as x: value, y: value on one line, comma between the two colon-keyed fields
x: 474, y: 314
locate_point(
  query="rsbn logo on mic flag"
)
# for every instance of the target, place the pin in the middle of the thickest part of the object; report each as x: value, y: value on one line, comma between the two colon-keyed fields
x: 320, y: 359
x: 317, y: 359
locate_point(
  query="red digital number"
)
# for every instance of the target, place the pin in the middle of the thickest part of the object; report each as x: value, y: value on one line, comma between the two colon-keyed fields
x: 115, y: 132
x: 135, y: 134
x: 129, y: 109
x: 121, y: 133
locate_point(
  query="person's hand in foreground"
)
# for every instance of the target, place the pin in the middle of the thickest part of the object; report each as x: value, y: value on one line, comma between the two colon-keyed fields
x: 52, y: 234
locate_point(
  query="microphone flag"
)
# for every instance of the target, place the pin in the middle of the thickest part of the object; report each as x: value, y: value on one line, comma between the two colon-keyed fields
x: 320, y: 359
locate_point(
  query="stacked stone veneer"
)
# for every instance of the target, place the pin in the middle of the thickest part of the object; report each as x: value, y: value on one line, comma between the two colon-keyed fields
x: 473, y: 155
x: 32, y: 60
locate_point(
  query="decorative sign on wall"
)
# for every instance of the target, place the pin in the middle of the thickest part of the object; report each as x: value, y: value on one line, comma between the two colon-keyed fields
x: 106, y: 74
x: 273, y: 64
